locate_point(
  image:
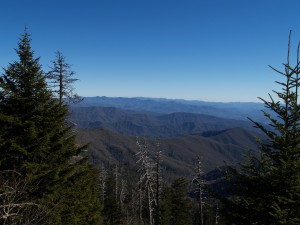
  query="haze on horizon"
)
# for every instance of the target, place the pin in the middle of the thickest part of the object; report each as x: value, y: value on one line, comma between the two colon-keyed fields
x: 177, y: 49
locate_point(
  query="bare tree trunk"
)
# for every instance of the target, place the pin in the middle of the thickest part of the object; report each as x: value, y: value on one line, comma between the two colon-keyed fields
x: 158, y: 185
x: 13, y: 209
x: 61, y: 76
x: 61, y: 79
x: 116, y: 187
x: 123, y: 193
x: 140, y: 201
x: 152, y: 178
x: 145, y: 170
x: 102, y: 180
x: 217, y: 213
x: 150, y: 204
x: 200, y: 185
x: 201, y: 204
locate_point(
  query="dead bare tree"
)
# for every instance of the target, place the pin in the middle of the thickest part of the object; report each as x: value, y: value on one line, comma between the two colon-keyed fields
x: 200, y: 186
x: 147, y: 176
x: 217, y: 213
x: 140, y: 201
x: 121, y: 193
x: 122, y: 198
x: 158, y: 184
x: 150, y: 181
x: 102, y: 184
x: 61, y: 79
x: 15, y: 208
x: 117, y: 183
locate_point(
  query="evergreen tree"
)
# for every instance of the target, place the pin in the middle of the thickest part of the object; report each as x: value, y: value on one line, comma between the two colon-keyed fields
x: 36, y: 142
x: 25, y: 102
x: 111, y: 209
x: 267, y: 188
x: 79, y: 197
x: 176, y: 207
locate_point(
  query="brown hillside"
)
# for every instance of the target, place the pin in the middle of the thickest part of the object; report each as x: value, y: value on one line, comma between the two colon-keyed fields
x: 179, y: 154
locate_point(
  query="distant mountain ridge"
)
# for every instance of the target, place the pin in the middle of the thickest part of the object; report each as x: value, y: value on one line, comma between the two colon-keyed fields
x: 137, y: 123
x: 231, y: 110
x: 220, y: 132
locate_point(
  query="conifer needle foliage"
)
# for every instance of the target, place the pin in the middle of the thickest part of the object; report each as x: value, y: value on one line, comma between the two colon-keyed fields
x: 36, y: 141
x: 266, y: 190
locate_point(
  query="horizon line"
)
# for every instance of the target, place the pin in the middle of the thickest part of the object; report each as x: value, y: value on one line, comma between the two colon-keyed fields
x: 172, y: 99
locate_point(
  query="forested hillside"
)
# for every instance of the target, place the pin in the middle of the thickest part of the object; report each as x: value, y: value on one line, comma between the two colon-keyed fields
x: 151, y: 124
x: 178, y: 154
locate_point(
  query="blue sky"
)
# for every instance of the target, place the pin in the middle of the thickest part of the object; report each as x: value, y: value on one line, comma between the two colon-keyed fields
x: 213, y: 50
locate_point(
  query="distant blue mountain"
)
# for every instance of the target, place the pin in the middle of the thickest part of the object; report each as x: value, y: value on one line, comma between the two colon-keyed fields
x: 129, y: 122
x: 231, y: 110
x: 220, y: 132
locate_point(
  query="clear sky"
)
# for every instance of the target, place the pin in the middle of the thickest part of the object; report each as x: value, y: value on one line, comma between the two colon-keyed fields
x: 213, y: 50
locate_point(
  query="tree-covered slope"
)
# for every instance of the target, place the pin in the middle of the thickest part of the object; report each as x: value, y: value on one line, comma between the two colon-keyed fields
x: 179, y: 153
x: 151, y: 124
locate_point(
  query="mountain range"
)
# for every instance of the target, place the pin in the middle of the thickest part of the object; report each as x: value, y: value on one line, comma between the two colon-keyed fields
x: 151, y: 124
x: 112, y: 126
x: 231, y: 110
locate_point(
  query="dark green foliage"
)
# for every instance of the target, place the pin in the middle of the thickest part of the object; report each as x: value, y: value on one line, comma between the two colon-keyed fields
x: 36, y: 141
x: 111, y: 209
x: 80, y: 195
x: 267, y: 189
x: 26, y: 108
x: 15, y: 209
x: 176, y: 206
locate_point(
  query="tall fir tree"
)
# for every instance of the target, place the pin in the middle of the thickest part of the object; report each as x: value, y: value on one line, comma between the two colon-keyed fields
x: 266, y: 190
x: 36, y: 141
x: 176, y: 206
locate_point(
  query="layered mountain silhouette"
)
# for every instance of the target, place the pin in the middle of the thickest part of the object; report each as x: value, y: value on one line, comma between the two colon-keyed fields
x: 151, y: 124
x: 231, y: 110
x: 183, y: 129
